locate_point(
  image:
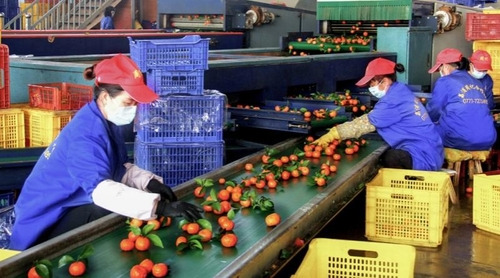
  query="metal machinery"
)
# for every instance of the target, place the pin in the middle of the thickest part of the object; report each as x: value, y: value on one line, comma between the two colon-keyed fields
x: 262, y: 23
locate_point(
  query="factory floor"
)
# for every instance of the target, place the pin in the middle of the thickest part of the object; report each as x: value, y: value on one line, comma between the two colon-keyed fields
x: 466, y: 251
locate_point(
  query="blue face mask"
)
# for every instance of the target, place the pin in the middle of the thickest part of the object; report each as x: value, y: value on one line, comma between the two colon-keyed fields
x: 120, y: 115
x: 376, y: 92
x: 478, y: 74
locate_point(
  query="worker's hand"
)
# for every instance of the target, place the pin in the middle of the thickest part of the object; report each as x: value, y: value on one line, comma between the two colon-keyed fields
x: 176, y: 209
x: 326, y: 139
x: 165, y: 191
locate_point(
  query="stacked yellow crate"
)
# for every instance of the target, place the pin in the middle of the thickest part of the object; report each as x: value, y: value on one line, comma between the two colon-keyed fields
x: 52, y: 105
x: 484, y: 30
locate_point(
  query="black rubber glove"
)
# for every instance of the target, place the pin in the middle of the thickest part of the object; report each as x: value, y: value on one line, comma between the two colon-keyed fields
x: 175, y: 209
x: 165, y: 191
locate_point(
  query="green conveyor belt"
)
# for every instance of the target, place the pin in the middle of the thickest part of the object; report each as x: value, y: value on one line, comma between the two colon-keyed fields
x: 323, y: 47
x: 292, y: 199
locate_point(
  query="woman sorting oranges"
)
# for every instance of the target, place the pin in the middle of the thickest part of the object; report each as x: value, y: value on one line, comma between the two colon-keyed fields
x: 398, y: 117
x: 459, y: 105
x: 480, y: 64
x: 84, y: 173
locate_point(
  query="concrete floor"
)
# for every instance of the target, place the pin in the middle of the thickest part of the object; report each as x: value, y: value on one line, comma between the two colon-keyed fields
x: 465, y: 250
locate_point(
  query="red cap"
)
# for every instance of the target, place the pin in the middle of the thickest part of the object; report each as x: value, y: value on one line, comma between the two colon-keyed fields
x: 121, y: 70
x: 379, y: 66
x: 481, y: 60
x: 446, y: 56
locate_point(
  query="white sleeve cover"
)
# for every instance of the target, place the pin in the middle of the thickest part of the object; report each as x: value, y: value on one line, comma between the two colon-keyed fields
x: 137, y: 177
x: 122, y: 199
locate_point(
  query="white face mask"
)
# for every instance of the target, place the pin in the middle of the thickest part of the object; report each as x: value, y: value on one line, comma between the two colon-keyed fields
x: 376, y: 92
x: 478, y: 74
x: 120, y: 115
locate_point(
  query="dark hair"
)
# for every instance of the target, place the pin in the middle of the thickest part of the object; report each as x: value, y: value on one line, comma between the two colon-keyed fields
x: 112, y: 89
x: 108, y: 10
x: 392, y: 76
x: 462, y: 65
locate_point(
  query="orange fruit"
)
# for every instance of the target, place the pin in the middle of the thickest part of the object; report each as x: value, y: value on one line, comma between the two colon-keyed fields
x: 223, y: 195
x: 160, y: 270
x: 293, y: 157
x: 132, y: 236
x: 156, y: 224
x: 304, y: 170
x: 245, y: 203
x: 206, y: 235
x: 285, y: 159
x: 320, y: 181
x: 180, y: 239
x: 236, y: 197
x: 136, y: 222
x: 337, y: 156
x: 349, y: 150
x: 229, y: 240
x: 285, y: 175
x: 222, y: 181
x: 333, y: 168
x: 77, y: 268
x: 32, y: 273
x: 273, y: 219
x: 272, y: 184
x: 270, y: 176
x: 265, y: 159
x: 127, y: 244
x: 295, y: 173
x: 249, y: 166
x: 167, y: 221
x: 142, y: 243
x: 260, y: 184
x: 222, y: 219
x: 138, y: 271
x: 197, y: 192
x: 147, y: 264
x: 227, y: 225
x: 278, y: 163
x: 316, y: 154
x: 193, y: 228
x: 225, y: 206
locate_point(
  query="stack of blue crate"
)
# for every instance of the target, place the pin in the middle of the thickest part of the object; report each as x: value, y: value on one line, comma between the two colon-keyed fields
x: 179, y: 136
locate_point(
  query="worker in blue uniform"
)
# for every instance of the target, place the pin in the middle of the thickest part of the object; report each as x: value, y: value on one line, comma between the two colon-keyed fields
x: 84, y: 173
x: 480, y: 64
x: 459, y: 105
x: 398, y: 117
x: 107, y: 20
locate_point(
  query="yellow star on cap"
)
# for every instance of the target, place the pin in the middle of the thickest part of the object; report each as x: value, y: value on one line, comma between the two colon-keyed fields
x: 137, y: 74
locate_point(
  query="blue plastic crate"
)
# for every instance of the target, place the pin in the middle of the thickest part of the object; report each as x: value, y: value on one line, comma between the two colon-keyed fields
x: 184, y: 54
x: 165, y: 82
x: 6, y: 199
x: 179, y: 162
x: 7, y: 217
x: 469, y: 3
x: 182, y: 118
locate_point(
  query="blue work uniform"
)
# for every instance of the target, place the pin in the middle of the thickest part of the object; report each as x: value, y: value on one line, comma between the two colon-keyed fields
x: 88, y: 150
x: 459, y: 107
x: 402, y: 121
x: 487, y: 82
x: 107, y: 23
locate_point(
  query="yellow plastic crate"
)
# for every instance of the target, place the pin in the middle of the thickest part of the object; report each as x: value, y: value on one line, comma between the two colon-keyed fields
x: 486, y: 203
x: 43, y: 126
x: 407, y: 207
x: 493, y: 48
x: 12, y: 128
x: 347, y: 258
